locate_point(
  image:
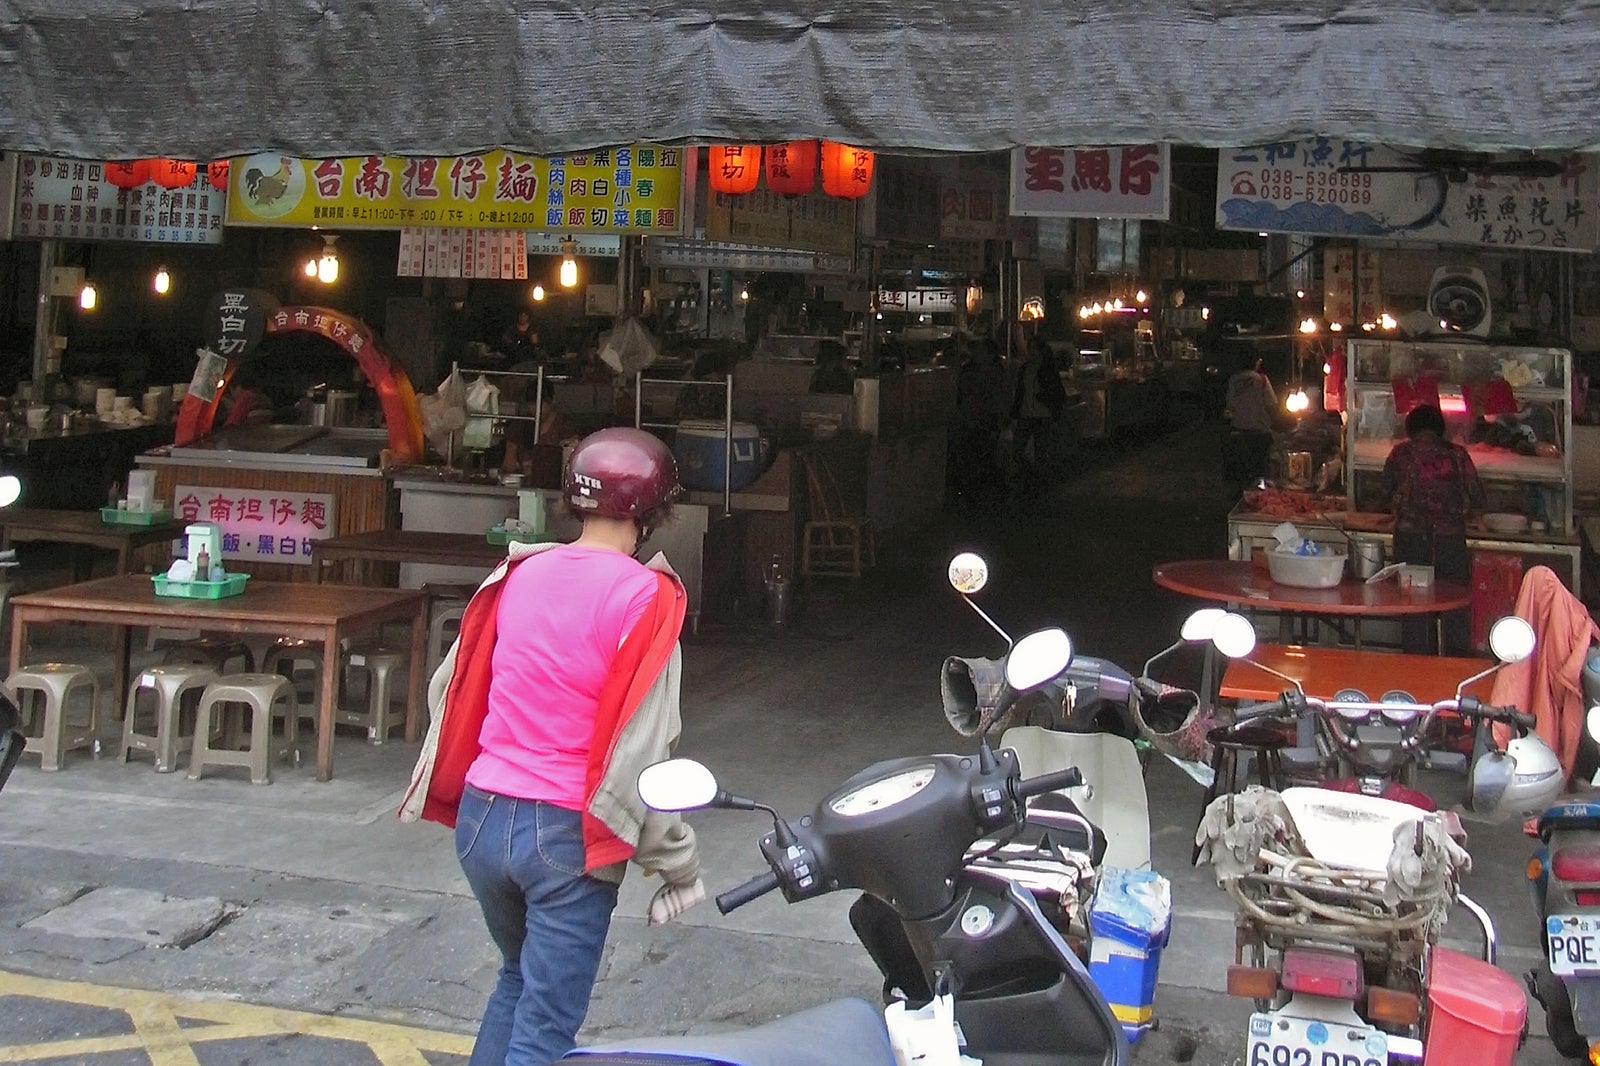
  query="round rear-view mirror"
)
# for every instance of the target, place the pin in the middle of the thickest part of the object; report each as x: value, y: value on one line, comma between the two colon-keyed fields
x: 1200, y: 626
x: 968, y: 573
x: 1594, y: 723
x: 1037, y: 658
x: 1511, y: 639
x: 1233, y: 635
x: 10, y: 489
x: 676, y: 785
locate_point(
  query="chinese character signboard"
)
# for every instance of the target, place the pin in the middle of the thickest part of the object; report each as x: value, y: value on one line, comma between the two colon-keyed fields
x: 809, y: 223
x: 260, y: 525
x: 1125, y: 181
x: 636, y: 189
x: 71, y: 199
x: 237, y: 321
x: 1340, y: 188
x: 916, y: 300
x: 971, y: 209
x: 428, y: 252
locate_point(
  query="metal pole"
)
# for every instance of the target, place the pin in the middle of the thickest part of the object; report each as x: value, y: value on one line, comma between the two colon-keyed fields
x: 538, y: 404
x: 727, y: 450
x: 44, y: 322
x: 638, y: 399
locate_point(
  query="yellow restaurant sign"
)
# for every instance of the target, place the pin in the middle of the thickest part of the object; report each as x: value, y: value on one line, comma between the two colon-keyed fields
x: 636, y: 189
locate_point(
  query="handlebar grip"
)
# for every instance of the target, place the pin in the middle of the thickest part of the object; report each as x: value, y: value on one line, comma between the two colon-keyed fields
x: 1036, y: 786
x: 1524, y: 719
x: 738, y: 896
x: 1257, y: 710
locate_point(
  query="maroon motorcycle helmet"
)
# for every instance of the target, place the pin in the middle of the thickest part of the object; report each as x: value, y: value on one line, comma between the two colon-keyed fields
x: 619, y: 473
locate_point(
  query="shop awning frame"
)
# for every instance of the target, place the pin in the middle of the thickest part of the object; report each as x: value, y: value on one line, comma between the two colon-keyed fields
x: 210, y: 78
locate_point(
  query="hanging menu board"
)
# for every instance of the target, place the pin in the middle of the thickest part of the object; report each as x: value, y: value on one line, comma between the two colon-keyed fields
x: 70, y: 199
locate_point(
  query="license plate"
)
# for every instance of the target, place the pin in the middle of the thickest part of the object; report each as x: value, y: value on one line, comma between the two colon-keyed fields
x: 1574, y: 943
x: 1279, y: 1040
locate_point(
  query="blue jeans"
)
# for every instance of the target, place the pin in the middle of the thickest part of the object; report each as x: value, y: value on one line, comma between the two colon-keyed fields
x: 524, y: 861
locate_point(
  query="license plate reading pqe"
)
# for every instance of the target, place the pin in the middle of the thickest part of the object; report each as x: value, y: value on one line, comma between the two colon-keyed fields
x: 1278, y: 1040
x: 1574, y: 941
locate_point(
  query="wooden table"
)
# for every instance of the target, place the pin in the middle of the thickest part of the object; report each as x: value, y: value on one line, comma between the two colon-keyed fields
x: 21, y: 524
x: 406, y: 546
x: 1324, y: 671
x: 323, y: 613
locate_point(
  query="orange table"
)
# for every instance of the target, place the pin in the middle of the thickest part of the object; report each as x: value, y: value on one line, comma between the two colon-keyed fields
x: 1243, y: 584
x: 1324, y: 671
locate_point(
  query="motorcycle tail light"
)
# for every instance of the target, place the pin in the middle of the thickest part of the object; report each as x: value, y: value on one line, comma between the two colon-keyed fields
x: 1577, y: 863
x: 1589, y: 898
x: 1252, y: 982
x: 1535, y: 868
x: 1316, y: 972
x: 1594, y: 1054
x: 1396, y: 1008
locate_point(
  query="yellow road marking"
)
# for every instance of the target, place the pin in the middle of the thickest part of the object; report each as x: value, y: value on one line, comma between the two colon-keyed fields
x: 156, y: 1018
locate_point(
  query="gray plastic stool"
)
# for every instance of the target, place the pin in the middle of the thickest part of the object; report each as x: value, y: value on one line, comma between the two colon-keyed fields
x: 380, y: 715
x: 52, y: 686
x: 286, y: 657
x: 215, y: 652
x: 269, y: 697
x: 171, y: 687
x: 443, y: 627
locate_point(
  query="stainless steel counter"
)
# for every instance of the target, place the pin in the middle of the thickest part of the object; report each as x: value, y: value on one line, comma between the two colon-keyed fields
x: 306, y: 449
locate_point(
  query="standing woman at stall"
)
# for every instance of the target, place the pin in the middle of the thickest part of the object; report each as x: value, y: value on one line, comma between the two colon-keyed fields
x: 562, y: 686
x: 1433, y: 489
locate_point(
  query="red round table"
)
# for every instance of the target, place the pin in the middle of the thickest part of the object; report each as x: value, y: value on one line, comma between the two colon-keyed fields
x: 1247, y: 585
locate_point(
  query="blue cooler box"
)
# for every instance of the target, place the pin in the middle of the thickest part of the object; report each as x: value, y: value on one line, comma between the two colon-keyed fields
x: 1124, y: 957
x: 699, y: 449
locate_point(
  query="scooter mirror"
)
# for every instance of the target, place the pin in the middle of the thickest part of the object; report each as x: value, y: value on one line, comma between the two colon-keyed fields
x: 1511, y: 639
x: 1037, y: 658
x: 10, y: 490
x: 1594, y: 723
x: 677, y: 785
x: 968, y: 573
x: 1233, y: 635
x: 1202, y: 625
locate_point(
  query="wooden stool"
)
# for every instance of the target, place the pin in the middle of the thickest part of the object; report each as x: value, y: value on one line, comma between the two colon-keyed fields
x: 54, y: 683
x: 170, y: 685
x: 268, y: 696
x: 1262, y: 745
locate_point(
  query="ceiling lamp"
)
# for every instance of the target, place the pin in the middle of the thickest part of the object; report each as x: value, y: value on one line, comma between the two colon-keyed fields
x: 734, y: 168
x: 792, y: 167
x: 1141, y: 296
x: 846, y: 171
x: 538, y: 292
x: 1032, y: 310
x: 128, y: 173
x: 172, y: 173
x: 88, y: 298
x: 1297, y: 401
x: 1308, y: 326
x: 325, y: 268
x: 569, y: 263
x: 163, y: 281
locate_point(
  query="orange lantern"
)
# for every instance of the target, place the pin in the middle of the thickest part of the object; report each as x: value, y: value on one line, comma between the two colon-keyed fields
x: 846, y: 171
x: 128, y: 173
x: 792, y: 167
x: 172, y: 173
x: 735, y: 168
x: 217, y: 173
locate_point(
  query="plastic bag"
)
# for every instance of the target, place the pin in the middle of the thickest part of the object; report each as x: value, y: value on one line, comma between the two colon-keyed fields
x: 482, y: 399
x: 444, y: 413
x: 629, y: 347
x: 926, y: 1036
x: 208, y: 372
x: 1138, y: 899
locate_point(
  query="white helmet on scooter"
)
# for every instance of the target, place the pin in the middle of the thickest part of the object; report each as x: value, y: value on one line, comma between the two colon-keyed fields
x: 1519, y: 782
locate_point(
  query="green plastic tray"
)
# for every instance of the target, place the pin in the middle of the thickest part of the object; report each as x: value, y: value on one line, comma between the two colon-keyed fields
x: 113, y: 516
x: 501, y: 538
x: 231, y: 585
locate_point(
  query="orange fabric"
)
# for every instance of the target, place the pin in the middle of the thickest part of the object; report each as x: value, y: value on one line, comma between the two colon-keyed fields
x: 1549, y: 685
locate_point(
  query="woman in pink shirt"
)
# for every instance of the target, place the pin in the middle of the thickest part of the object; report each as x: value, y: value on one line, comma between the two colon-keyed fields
x: 569, y: 629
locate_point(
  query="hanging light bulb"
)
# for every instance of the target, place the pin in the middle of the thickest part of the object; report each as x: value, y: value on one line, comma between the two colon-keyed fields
x: 1387, y: 321
x: 569, y: 263
x: 163, y: 281
x: 744, y: 292
x: 1308, y: 325
x: 328, y: 264
x: 1094, y: 308
x: 311, y: 267
x: 1141, y: 296
x: 1335, y: 327
x: 1297, y: 401
x: 88, y: 297
x: 538, y: 292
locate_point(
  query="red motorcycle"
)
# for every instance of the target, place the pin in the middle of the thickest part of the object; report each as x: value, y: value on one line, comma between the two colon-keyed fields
x: 1342, y: 890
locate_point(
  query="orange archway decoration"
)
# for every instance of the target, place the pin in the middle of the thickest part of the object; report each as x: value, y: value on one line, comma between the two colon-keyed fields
x: 395, y: 393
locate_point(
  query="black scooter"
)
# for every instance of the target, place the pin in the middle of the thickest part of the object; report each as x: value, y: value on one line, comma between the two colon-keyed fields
x: 902, y: 831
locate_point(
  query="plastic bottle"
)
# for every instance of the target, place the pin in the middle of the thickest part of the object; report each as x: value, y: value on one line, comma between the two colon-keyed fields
x: 775, y: 571
x: 202, y: 566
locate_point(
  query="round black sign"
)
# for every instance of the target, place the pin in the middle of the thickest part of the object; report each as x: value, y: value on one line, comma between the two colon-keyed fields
x: 237, y: 321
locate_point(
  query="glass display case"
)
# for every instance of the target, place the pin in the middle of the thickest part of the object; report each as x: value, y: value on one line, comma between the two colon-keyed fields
x: 1510, y: 406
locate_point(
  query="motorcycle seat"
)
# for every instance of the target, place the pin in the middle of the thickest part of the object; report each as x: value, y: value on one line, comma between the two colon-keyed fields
x: 1569, y: 817
x: 845, y: 1030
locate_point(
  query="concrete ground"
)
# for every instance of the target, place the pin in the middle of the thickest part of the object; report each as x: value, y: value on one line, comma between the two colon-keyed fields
x: 313, y: 900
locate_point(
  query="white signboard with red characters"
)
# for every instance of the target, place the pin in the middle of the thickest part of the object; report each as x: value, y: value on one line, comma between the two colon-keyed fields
x: 260, y: 525
x: 1122, y: 181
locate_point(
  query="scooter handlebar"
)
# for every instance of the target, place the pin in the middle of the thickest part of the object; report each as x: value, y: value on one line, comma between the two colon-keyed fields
x: 738, y: 896
x: 1259, y: 710
x: 1038, y: 786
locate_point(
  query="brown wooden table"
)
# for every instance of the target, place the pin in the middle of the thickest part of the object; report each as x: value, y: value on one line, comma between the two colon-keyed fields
x: 22, y: 524
x: 322, y: 613
x: 406, y: 546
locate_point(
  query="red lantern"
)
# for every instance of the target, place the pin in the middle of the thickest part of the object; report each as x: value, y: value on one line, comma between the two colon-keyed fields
x: 846, y: 171
x: 172, y: 173
x: 792, y: 167
x: 128, y: 173
x: 735, y: 168
x: 217, y: 173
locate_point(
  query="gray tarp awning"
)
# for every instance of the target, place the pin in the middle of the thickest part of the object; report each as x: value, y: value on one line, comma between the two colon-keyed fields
x: 208, y: 78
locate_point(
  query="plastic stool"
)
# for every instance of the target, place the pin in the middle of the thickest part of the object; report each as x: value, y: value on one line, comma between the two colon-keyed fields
x: 443, y: 627
x: 285, y: 657
x: 1262, y: 745
x: 54, y: 684
x: 215, y: 652
x: 170, y: 685
x: 380, y: 715
x: 268, y: 696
